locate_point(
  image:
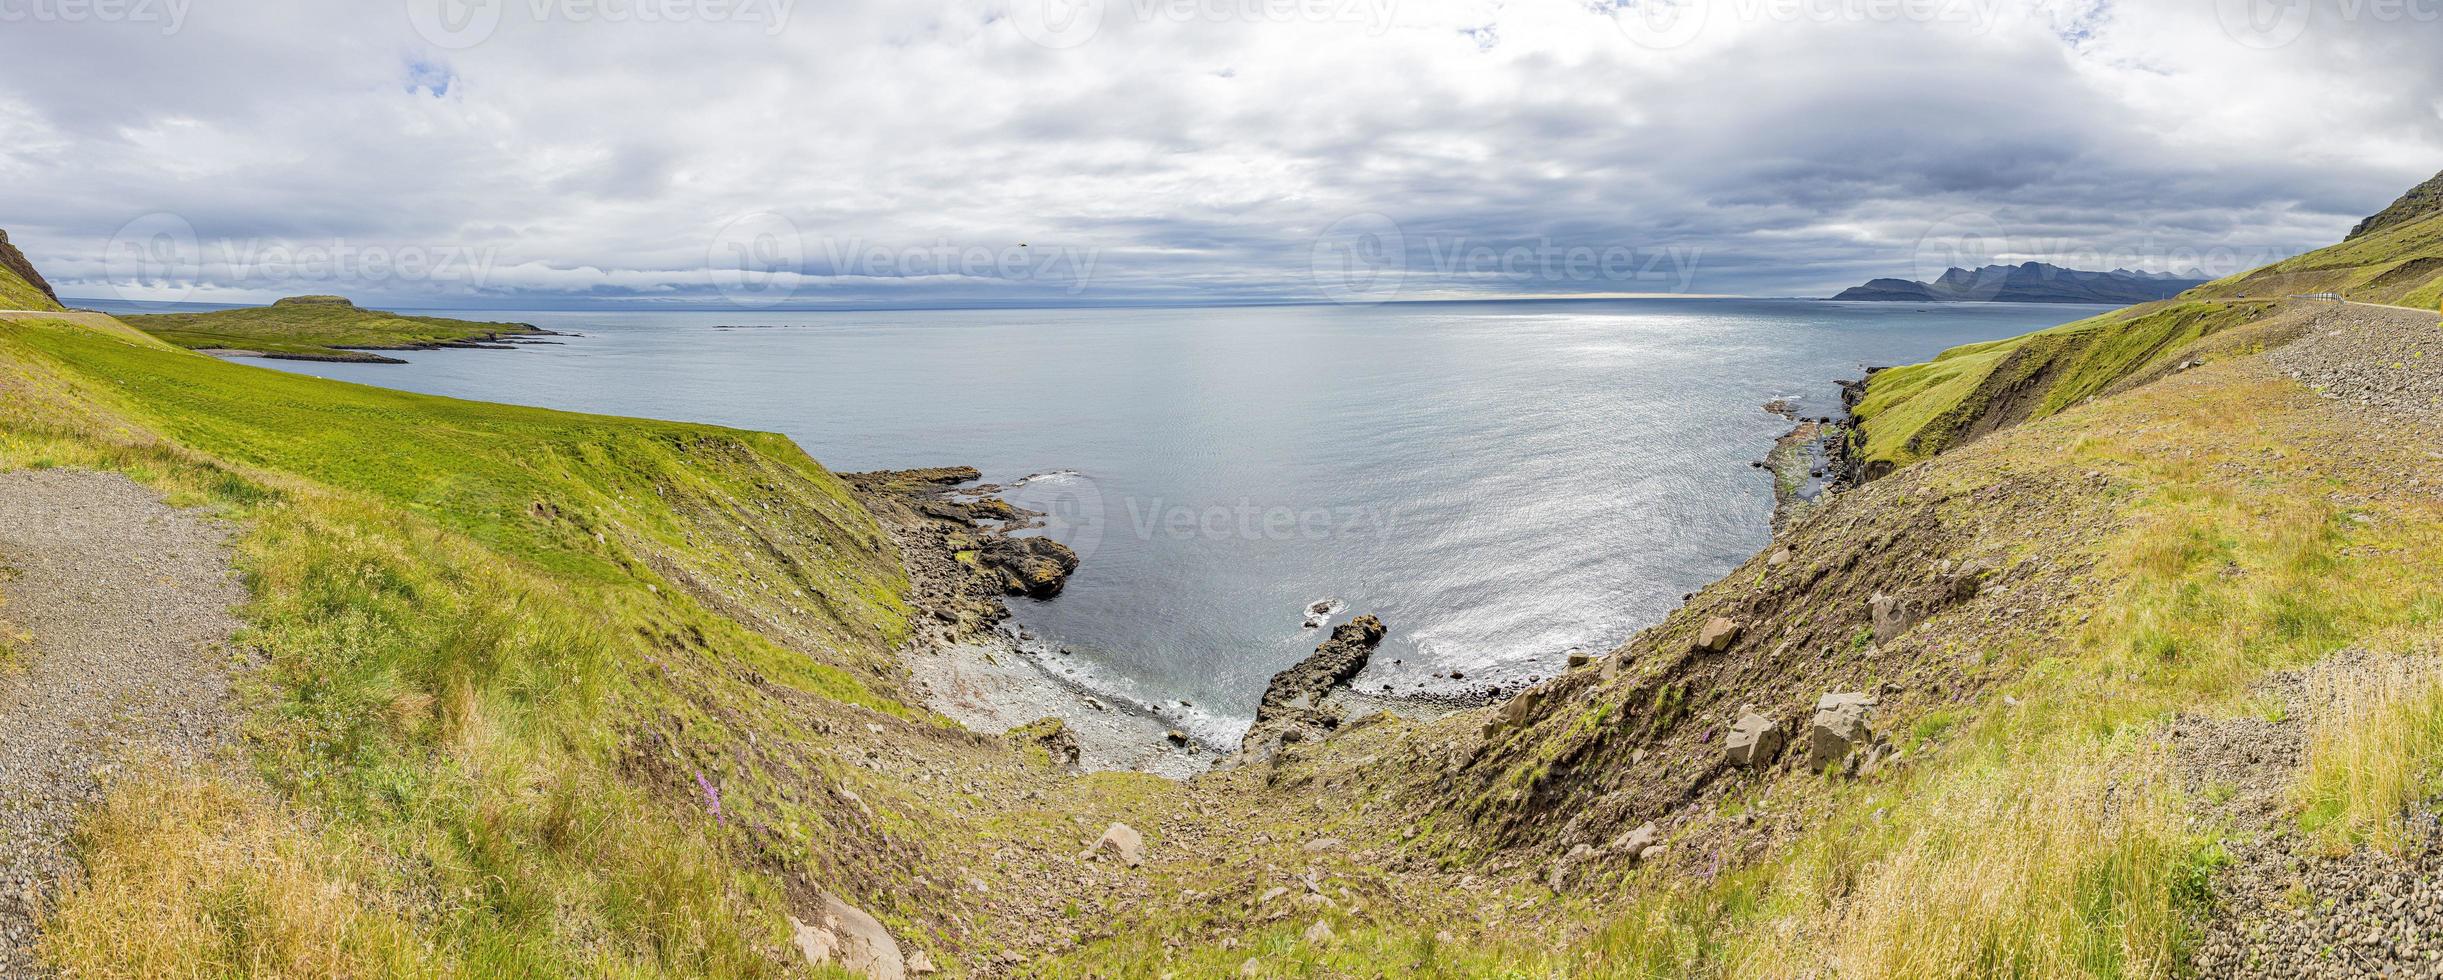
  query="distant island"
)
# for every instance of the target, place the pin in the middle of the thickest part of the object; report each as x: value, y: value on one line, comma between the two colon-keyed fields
x: 2033, y: 282
x: 326, y: 328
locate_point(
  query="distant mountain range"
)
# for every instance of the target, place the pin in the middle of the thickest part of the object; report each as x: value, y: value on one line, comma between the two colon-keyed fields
x: 2033, y: 282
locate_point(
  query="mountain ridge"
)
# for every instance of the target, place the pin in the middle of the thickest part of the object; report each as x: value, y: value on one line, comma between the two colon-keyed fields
x: 2028, y: 282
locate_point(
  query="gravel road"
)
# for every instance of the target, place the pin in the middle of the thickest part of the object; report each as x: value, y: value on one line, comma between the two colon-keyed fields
x: 129, y: 603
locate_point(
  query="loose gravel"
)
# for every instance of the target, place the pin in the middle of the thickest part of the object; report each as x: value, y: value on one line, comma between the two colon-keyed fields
x: 2284, y: 906
x: 2372, y: 355
x: 129, y: 604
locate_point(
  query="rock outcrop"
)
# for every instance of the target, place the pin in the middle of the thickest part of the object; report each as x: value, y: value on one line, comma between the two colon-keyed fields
x: 1036, y: 567
x: 2422, y: 200
x: 15, y: 262
x: 1053, y: 735
x: 1294, y: 707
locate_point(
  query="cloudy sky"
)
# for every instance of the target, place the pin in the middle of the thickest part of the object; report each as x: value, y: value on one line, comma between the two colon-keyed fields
x: 543, y: 153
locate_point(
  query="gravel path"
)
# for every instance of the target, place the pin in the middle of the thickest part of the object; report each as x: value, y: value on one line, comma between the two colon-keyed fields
x: 2373, y: 355
x: 129, y: 605
x: 2284, y: 907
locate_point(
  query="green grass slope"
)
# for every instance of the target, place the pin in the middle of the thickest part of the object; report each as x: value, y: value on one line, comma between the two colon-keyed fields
x: 499, y: 649
x: 1913, y: 412
x: 318, y: 327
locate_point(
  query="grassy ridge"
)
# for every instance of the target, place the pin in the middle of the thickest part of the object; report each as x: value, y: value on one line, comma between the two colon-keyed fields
x: 500, y: 647
x: 2399, y: 264
x: 1910, y: 413
x: 322, y: 327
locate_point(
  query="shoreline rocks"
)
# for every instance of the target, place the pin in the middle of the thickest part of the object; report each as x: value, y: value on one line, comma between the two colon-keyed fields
x: 1294, y: 707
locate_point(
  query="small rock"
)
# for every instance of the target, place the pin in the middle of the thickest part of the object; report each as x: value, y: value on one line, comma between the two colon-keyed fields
x: 1580, y: 658
x: 1321, y: 844
x: 1176, y: 737
x: 1319, y: 933
x: 920, y: 964
x: 1780, y: 558
x: 1635, y: 842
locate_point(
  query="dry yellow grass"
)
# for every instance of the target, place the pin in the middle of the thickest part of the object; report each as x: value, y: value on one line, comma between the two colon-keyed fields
x: 2372, y: 756
x: 187, y: 876
x: 2076, y: 865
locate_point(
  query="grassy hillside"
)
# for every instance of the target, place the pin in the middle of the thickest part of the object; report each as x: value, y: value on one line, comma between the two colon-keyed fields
x: 2396, y: 259
x: 500, y: 648
x: 319, y: 327
x: 1910, y: 413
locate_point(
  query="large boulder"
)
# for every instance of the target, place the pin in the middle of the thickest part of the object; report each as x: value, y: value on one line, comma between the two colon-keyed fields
x: 1717, y: 634
x: 843, y: 935
x: 1753, y: 741
x: 1121, y: 841
x: 1838, y: 728
x: 1892, y: 615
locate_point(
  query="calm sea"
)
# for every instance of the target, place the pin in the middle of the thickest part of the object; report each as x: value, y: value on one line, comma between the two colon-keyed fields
x: 1500, y: 482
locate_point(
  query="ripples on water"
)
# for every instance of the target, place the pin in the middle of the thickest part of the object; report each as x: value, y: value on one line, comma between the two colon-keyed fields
x: 1499, y: 482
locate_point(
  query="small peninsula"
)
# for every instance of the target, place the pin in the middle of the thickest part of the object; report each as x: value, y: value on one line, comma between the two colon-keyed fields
x: 324, y: 328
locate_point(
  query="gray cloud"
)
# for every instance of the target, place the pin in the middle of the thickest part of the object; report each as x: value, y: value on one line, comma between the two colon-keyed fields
x: 890, y: 153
